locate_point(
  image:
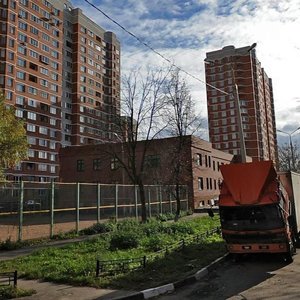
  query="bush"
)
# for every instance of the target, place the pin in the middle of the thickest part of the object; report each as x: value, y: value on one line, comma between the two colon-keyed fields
x: 156, y: 243
x: 128, y: 224
x: 124, y: 240
x: 98, y: 228
x: 182, y: 227
x: 8, y: 244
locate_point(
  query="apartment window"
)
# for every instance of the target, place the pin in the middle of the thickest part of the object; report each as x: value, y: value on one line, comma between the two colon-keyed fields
x: 44, y: 71
x: 53, y: 110
x: 33, y: 66
x: 31, y: 115
x: 42, y: 142
x: 45, y: 37
x: 44, y: 82
x: 32, y: 90
x: 33, y: 54
x: 52, y: 169
x: 42, y: 167
x: 9, y: 95
x: 52, y: 157
x: 52, y: 145
x: 20, y: 100
x: 32, y: 78
x: 22, y: 25
x: 200, y: 183
x: 207, y: 183
x: 80, y: 165
x: 31, y: 140
x: 43, y: 154
x: 52, y: 122
x: 20, y: 87
x: 21, y: 62
x: 34, y: 30
x: 34, y: 42
x: 53, y: 99
x: 44, y: 59
x: 96, y: 164
x: 31, y: 127
x: 45, y: 48
x: 43, y: 130
x: 32, y: 102
x: 19, y: 113
x: 30, y: 153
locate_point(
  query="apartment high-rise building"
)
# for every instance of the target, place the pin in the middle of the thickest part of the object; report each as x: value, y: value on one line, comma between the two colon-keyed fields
x: 61, y: 72
x: 239, y: 78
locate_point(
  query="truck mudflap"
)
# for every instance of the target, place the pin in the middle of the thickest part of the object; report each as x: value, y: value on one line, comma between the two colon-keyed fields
x: 257, y: 248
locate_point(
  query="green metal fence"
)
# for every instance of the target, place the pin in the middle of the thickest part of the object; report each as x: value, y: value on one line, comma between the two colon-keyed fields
x: 32, y: 206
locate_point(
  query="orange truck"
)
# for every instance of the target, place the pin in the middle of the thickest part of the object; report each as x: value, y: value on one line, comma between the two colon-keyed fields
x: 259, y: 209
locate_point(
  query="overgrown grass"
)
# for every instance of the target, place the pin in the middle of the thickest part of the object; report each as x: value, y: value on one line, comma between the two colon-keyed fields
x: 10, y: 292
x: 76, y: 263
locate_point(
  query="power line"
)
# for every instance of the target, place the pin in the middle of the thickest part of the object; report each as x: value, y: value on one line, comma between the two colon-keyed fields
x: 152, y: 49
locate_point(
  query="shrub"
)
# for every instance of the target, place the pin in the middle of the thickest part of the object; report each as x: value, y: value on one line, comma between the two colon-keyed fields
x: 128, y: 224
x: 10, y: 292
x: 98, y: 228
x: 124, y: 240
x: 156, y: 243
x: 8, y: 244
x: 182, y: 227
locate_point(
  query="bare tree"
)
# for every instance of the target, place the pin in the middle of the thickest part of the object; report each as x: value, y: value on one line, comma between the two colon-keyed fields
x: 182, y: 120
x: 289, y: 159
x: 141, y: 107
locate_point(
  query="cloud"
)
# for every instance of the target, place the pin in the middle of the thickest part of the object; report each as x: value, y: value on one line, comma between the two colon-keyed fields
x: 185, y: 30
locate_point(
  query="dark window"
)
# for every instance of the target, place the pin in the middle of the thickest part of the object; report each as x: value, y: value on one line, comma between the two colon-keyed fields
x: 80, y: 165
x: 152, y: 161
x: 96, y: 164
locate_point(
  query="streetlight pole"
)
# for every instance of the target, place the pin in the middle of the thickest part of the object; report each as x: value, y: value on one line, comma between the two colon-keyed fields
x: 291, y: 146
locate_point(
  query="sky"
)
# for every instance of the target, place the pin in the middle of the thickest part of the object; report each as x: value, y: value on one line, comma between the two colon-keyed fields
x: 184, y: 30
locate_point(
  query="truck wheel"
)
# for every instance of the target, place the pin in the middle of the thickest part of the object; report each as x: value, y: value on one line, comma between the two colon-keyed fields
x: 288, y: 256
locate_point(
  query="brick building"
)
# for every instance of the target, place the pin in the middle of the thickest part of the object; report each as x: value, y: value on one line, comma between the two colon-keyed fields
x: 200, y: 170
x: 61, y: 72
x: 227, y: 69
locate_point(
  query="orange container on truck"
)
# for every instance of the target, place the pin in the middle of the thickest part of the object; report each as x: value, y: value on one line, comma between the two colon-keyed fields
x: 258, y: 209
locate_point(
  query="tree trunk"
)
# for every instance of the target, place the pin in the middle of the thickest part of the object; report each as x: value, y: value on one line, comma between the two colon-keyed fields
x: 143, y: 202
x: 178, y: 203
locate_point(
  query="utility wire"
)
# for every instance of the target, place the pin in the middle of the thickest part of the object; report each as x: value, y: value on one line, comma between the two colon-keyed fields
x: 152, y: 49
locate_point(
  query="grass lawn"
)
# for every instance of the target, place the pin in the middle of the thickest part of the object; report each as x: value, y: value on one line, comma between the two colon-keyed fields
x: 76, y: 263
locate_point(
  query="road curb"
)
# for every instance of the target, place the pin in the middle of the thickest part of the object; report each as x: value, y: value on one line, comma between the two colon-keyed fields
x: 171, y: 287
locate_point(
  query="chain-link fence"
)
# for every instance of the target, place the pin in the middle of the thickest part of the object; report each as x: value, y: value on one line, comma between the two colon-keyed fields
x: 34, y: 210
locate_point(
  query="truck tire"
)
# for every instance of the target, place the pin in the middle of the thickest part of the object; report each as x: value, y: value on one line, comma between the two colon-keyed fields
x: 288, y: 256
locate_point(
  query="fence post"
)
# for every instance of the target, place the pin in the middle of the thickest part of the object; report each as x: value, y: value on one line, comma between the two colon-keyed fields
x: 21, y: 204
x: 135, y: 202
x: 77, y: 205
x: 52, y: 208
x: 160, y: 200
x: 98, y: 202
x: 15, y: 278
x: 170, y: 201
x: 116, y: 201
x: 97, y: 268
x: 144, y: 261
x: 186, y: 198
x: 149, y: 201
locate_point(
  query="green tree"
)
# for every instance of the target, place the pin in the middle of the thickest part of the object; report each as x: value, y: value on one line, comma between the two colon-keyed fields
x: 13, y: 141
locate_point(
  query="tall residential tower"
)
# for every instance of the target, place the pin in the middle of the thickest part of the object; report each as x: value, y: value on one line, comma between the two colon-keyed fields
x: 239, y: 78
x: 61, y: 72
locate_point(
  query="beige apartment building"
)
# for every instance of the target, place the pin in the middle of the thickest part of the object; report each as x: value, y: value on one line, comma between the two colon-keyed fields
x: 61, y: 72
x: 239, y: 78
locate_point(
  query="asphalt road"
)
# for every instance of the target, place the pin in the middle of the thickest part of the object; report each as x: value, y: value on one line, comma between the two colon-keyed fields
x: 258, y: 277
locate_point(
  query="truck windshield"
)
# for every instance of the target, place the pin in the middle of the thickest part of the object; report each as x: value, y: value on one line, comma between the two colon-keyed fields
x: 251, y: 217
